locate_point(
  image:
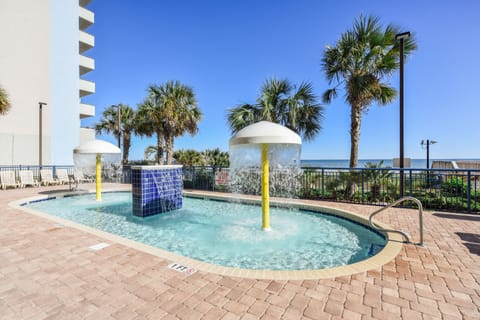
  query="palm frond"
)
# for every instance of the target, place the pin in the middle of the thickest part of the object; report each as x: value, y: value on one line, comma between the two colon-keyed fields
x: 328, y: 95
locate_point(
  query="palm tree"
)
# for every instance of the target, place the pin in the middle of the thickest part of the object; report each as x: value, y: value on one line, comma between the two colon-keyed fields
x: 146, y: 127
x: 109, y: 124
x: 281, y: 102
x: 360, y: 60
x: 216, y: 158
x: 189, y: 157
x: 169, y: 111
x: 4, y: 102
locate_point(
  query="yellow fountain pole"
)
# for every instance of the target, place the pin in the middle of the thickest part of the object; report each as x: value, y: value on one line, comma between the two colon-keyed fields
x: 265, y: 190
x: 98, y: 177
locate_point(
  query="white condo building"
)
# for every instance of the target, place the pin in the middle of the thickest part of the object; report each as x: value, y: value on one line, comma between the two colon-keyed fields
x: 43, y: 58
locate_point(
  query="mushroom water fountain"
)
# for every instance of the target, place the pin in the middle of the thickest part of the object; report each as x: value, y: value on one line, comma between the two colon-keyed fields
x: 272, y: 139
x: 88, y: 153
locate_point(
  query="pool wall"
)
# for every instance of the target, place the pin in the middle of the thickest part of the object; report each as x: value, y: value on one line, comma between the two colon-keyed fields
x: 156, y: 189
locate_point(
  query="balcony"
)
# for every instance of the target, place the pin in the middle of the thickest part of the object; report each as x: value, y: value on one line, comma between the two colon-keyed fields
x: 84, y: 3
x: 86, y: 64
x: 85, y: 18
x: 86, y: 87
x: 86, y: 110
x: 87, y: 41
x: 86, y: 134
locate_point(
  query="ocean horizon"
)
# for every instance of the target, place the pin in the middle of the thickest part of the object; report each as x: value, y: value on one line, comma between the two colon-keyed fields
x: 344, y: 163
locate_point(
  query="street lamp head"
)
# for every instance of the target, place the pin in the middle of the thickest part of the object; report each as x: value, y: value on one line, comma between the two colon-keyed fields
x: 42, y: 104
x: 433, y: 142
x: 402, y: 36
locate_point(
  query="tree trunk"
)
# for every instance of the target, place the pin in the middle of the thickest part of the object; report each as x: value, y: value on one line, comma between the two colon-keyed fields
x: 355, y: 122
x: 169, y: 147
x: 159, y: 155
x: 126, y: 147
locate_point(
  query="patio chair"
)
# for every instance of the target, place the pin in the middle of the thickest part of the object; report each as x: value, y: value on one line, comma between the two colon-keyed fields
x: 62, y: 176
x: 79, y: 177
x: 27, y: 179
x: 8, y: 179
x: 47, y: 177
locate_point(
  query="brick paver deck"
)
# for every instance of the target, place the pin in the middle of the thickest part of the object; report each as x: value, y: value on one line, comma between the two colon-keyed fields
x: 48, y: 272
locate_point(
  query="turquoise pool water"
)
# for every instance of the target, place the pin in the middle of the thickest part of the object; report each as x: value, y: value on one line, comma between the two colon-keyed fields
x: 225, y: 233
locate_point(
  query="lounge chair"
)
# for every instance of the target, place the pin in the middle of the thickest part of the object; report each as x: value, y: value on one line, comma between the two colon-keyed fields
x: 8, y: 179
x: 79, y: 177
x: 62, y: 176
x: 27, y: 179
x: 47, y: 177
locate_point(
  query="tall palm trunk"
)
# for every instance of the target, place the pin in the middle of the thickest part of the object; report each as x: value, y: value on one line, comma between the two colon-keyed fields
x: 126, y: 147
x: 355, y: 123
x: 159, y: 156
x: 169, y: 147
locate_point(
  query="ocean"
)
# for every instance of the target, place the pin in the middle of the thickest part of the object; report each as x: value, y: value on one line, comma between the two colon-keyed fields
x: 414, y: 163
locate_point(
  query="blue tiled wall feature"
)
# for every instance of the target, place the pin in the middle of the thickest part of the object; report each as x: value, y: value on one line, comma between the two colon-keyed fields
x: 156, y: 189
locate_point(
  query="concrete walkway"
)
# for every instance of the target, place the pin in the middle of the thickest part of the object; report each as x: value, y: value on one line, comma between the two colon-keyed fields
x: 48, y: 272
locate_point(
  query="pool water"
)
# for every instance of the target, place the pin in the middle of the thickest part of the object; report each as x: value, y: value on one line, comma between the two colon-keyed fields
x: 226, y: 233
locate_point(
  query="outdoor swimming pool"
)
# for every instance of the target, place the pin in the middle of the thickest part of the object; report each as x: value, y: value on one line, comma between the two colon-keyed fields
x: 226, y: 233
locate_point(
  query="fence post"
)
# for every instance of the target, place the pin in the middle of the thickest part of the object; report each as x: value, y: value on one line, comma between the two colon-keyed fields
x: 362, y: 186
x: 213, y: 178
x: 411, y: 183
x: 194, y: 178
x: 323, y: 183
x: 469, y: 192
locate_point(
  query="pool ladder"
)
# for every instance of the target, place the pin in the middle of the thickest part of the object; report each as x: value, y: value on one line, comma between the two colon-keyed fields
x: 404, y: 234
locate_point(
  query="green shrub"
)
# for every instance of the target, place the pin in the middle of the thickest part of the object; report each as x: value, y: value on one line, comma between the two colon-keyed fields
x: 455, y: 186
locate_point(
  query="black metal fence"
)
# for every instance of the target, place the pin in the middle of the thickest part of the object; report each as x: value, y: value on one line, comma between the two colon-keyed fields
x: 439, y: 189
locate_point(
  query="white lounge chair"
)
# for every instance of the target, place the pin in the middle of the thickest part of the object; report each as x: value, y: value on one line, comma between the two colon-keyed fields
x: 27, y: 179
x: 62, y: 176
x: 47, y: 177
x: 79, y: 177
x: 7, y: 179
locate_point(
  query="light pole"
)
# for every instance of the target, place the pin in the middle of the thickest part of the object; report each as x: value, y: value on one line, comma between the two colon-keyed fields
x: 427, y: 143
x: 40, y: 105
x: 401, y: 37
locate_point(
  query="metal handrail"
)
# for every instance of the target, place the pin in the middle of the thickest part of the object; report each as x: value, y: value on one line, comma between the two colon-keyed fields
x: 405, y: 235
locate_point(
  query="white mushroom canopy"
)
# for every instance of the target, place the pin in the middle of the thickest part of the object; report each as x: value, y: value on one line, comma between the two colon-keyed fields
x: 96, y: 147
x: 265, y: 132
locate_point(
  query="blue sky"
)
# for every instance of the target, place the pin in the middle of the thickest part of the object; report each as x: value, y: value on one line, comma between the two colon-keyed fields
x: 226, y: 49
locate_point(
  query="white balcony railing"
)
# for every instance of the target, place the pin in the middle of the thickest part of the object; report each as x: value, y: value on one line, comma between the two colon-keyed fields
x: 85, y: 18
x: 86, y: 41
x: 86, y: 87
x: 86, y: 110
x: 86, y: 64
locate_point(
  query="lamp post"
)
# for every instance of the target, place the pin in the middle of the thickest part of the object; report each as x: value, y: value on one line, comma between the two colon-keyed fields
x: 427, y: 143
x: 401, y: 37
x: 40, y: 134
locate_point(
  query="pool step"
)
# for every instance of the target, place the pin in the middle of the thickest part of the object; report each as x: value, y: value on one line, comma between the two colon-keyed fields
x: 374, y: 249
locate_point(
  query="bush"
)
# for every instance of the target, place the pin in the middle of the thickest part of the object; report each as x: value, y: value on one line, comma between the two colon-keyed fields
x: 455, y: 186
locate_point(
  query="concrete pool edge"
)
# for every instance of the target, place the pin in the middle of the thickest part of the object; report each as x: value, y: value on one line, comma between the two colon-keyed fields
x: 387, y: 254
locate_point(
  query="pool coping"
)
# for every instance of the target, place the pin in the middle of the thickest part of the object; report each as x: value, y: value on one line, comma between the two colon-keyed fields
x: 388, y: 253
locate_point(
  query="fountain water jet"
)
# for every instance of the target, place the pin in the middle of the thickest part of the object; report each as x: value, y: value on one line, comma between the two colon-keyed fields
x: 265, y: 134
